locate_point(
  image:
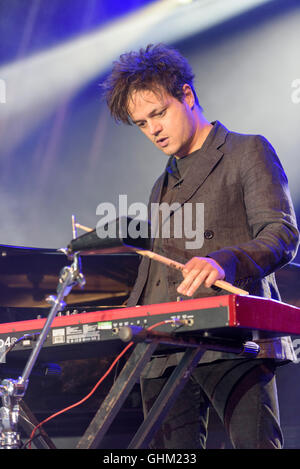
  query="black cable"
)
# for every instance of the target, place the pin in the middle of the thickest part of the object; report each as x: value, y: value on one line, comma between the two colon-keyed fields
x: 32, y: 336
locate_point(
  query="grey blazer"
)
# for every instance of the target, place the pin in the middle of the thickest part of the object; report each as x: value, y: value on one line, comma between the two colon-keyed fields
x: 250, y: 226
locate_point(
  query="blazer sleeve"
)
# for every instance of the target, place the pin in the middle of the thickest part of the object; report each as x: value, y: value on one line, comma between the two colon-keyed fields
x: 271, y: 219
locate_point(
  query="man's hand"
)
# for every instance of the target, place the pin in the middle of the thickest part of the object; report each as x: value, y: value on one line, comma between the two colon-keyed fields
x: 197, y: 271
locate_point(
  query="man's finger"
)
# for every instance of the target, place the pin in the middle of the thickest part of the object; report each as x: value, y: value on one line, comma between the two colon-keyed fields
x: 186, y: 283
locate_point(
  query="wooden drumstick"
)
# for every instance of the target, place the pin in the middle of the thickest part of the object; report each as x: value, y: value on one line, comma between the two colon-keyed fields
x: 82, y: 227
x: 177, y: 265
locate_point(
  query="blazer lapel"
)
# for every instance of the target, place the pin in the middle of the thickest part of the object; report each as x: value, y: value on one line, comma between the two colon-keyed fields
x: 197, y: 173
x: 203, y: 165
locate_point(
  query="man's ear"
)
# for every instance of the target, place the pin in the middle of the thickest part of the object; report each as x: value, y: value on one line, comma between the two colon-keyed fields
x: 188, y: 95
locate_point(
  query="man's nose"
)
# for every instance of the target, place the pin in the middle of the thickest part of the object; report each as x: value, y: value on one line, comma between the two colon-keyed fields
x: 155, y: 128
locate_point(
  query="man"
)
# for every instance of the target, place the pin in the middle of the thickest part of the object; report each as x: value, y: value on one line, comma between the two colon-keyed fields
x: 249, y: 232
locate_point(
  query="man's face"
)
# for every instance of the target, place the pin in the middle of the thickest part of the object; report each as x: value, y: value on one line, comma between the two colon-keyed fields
x: 167, y: 122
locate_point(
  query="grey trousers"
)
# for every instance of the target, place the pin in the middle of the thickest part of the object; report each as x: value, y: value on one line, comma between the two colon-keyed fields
x: 243, y: 392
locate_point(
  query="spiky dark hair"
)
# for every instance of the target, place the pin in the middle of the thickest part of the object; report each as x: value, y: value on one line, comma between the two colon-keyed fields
x: 154, y: 68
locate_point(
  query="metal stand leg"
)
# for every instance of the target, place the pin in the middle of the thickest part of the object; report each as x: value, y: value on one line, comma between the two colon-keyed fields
x: 117, y: 395
x: 166, y: 399
x: 28, y: 422
x: 131, y: 372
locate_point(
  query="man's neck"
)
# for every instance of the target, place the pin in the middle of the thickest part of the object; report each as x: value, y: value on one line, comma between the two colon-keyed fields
x: 203, y: 128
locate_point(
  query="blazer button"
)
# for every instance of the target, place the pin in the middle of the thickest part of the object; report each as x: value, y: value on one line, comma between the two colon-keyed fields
x: 209, y: 234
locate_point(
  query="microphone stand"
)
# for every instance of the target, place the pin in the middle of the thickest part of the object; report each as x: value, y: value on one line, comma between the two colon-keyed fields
x: 11, y: 390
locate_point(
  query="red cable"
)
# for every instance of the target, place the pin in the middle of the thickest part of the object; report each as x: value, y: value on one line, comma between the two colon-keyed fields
x: 94, y: 388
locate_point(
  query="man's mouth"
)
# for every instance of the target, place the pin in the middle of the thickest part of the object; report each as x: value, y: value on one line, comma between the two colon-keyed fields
x: 162, y: 142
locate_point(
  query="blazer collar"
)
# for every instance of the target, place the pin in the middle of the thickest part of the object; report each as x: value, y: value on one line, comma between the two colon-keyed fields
x: 202, y: 165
